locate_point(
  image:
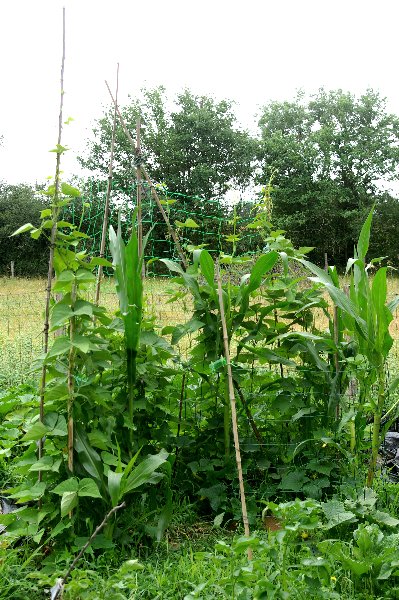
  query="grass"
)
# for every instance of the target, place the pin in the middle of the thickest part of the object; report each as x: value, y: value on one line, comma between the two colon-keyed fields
x: 21, y: 318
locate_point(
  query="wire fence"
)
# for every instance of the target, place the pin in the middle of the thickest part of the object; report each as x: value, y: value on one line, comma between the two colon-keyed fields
x: 22, y: 314
x: 213, y: 223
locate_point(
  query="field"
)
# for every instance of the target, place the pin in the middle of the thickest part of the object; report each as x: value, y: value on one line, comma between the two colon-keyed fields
x: 21, y: 318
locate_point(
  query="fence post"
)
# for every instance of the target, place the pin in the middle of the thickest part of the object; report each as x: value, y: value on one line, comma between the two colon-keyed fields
x: 12, y: 269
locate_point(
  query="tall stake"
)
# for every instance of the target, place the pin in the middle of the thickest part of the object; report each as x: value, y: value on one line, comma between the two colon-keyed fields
x: 336, y: 356
x: 154, y: 193
x: 71, y: 381
x: 233, y: 410
x: 109, y: 188
x: 55, y: 211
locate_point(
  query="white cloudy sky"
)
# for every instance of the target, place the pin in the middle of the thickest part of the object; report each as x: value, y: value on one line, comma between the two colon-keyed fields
x: 250, y: 51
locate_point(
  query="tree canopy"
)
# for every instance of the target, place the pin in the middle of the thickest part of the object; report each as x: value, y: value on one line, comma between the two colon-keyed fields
x: 328, y: 157
x: 21, y: 204
x: 331, y: 156
x: 193, y: 145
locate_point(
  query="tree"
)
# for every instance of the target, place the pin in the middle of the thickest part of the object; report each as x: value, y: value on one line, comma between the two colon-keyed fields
x: 194, y: 145
x: 328, y: 157
x: 385, y: 230
x: 21, y: 204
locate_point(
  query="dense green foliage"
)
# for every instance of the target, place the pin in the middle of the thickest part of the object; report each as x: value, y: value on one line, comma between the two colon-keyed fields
x: 20, y: 203
x: 194, y: 146
x: 328, y: 157
x: 129, y: 416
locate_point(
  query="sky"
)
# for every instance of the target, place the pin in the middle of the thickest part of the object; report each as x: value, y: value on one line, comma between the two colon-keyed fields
x: 251, y: 52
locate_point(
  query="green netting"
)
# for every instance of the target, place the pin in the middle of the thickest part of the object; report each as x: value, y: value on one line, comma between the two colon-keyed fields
x: 213, y: 219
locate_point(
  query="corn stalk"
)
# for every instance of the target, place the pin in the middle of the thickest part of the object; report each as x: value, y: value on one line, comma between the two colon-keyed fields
x: 128, y: 263
x: 366, y: 316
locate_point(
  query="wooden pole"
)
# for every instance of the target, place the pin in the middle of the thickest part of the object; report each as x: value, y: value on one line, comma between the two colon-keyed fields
x: 336, y: 357
x: 109, y: 188
x: 12, y: 269
x: 233, y: 410
x: 52, y: 240
x: 154, y: 193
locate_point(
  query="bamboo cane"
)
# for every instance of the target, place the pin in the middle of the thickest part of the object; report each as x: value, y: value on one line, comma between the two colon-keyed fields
x: 54, y: 216
x: 233, y: 409
x: 154, y: 193
x: 336, y: 356
x: 71, y: 382
x: 109, y: 188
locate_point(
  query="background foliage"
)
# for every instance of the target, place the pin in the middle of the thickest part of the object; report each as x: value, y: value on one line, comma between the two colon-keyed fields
x: 331, y: 156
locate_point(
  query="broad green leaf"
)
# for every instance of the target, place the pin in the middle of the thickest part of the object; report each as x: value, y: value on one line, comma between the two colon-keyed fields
x: 190, y: 223
x: 81, y: 343
x: 269, y: 356
x: 66, y: 276
x: 293, y: 481
x: 218, y: 520
x: 264, y: 264
x: 207, y: 267
x: 98, y: 261
x: 384, y: 518
x: 88, y: 457
x: 336, y: 513
x: 180, y: 331
x: 23, y: 228
x: 172, y: 266
x: 69, y: 190
x: 63, y: 224
x: 35, y: 233
x: 59, y: 528
x: 31, y: 493
x: 48, y: 224
x: 88, y: 487
x: 83, y: 308
x: 35, y: 432
x: 47, y: 463
x: 45, y: 213
x: 114, y: 486
x: 69, y: 485
x: 61, y: 345
x: 143, y: 472
x: 68, y: 502
x: 59, y: 149
x: 60, y: 314
x: 56, y: 424
x: 85, y: 276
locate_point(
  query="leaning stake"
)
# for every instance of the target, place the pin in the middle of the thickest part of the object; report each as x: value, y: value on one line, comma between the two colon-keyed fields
x: 109, y: 188
x: 171, y: 231
x: 233, y: 409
